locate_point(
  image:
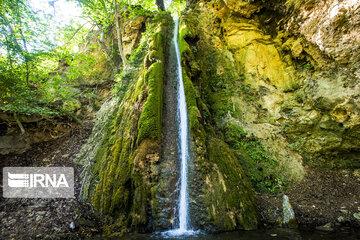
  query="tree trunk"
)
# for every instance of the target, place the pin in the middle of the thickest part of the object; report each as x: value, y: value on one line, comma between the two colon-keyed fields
x: 160, y: 4
x: 26, y: 56
x: 121, y: 52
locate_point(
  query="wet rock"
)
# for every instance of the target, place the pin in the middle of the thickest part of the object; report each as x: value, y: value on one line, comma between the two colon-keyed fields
x: 357, y: 216
x: 9, y: 144
x: 72, y: 225
x: 344, y: 211
x: 326, y: 228
x: 341, y: 219
x: 288, y: 213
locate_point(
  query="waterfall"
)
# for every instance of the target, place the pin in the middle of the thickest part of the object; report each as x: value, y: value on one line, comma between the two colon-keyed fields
x: 184, y: 228
x: 183, y: 137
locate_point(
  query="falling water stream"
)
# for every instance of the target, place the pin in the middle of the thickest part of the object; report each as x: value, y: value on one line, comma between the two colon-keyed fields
x: 184, y: 228
x: 183, y: 132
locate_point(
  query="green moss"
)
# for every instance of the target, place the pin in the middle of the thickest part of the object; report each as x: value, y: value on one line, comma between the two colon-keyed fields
x: 261, y: 168
x: 156, y: 43
x: 187, y: 29
x: 292, y: 87
x: 220, y: 103
x: 293, y: 223
x: 139, y: 88
x: 150, y: 120
x: 120, y: 169
x: 299, y: 96
x: 190, y: 92
x: 191, y: 105
x: 140, y: 202
x: 138, y: 55
x: 183, y: 45
x: 230, y: 197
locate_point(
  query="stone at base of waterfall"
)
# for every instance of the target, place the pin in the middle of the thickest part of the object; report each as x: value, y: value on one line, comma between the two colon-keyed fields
x: 357, y: 216
x: 341, y: 219
x: 289, y: 219
x: 326, y: 228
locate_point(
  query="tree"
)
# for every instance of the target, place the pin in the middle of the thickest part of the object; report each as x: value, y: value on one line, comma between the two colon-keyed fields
x: 27, y: 57
x: 100, y: 12
x: 160, y: 5
x: 121, y: 52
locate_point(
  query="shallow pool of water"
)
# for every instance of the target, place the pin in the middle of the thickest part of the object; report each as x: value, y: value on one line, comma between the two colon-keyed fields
x: 276, y: 234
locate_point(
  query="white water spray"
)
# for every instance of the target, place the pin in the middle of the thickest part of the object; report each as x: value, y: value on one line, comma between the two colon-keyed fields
x: 183, y: 147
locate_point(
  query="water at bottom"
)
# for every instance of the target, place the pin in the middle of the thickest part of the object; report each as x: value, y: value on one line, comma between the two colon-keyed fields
x: 178, y: 233
x: 270, y: 234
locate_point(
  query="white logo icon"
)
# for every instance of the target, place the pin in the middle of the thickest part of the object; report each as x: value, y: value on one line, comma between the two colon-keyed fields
x: 36, y: 180
x: 18, y: 180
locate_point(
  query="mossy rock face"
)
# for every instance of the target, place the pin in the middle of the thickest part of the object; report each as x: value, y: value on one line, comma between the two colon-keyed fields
x: 229, y: 197
x: 221, y: 197
x: 121, y: 157
x: 150, y: 120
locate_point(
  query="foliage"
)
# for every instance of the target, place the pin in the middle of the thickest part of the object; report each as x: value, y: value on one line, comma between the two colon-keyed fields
x: 36, y: 76
x: 40, y: 67
x: 101, y: 12
x: 259, y: 166
x: 299, y: 96
x: 138, y: 55
x: 176, y: 7
x: 28, y: 83
x: 291, y: 87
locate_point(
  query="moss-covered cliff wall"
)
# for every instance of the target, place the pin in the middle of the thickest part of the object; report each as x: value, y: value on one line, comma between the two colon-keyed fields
x: 265, y: 100
x: 131, y: 165
x: 121, y: 157
x: 238, y: 75
x: 274, y: 71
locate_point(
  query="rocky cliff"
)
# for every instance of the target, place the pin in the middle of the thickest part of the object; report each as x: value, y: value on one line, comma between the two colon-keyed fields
x: 271, y: 89
x: 285, y: 72
x: 279, y: 84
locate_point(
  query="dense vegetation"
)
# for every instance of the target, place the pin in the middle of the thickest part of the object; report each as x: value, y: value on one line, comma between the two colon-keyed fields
x: 42, y: 60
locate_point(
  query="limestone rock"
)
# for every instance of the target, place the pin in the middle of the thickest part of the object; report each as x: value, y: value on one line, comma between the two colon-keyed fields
x: 244, y: 8
x: 288, y: 213
x: 357, y: 216
x: 9, y: 144
x: 333, y: 27
x: 131, y: 34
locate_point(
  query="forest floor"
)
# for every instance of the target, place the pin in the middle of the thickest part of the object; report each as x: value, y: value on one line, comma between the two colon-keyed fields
x: 323, y: 197
x: 23, y: 218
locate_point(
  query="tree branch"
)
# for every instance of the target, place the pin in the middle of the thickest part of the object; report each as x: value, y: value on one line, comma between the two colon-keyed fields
x: 19, y: 124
